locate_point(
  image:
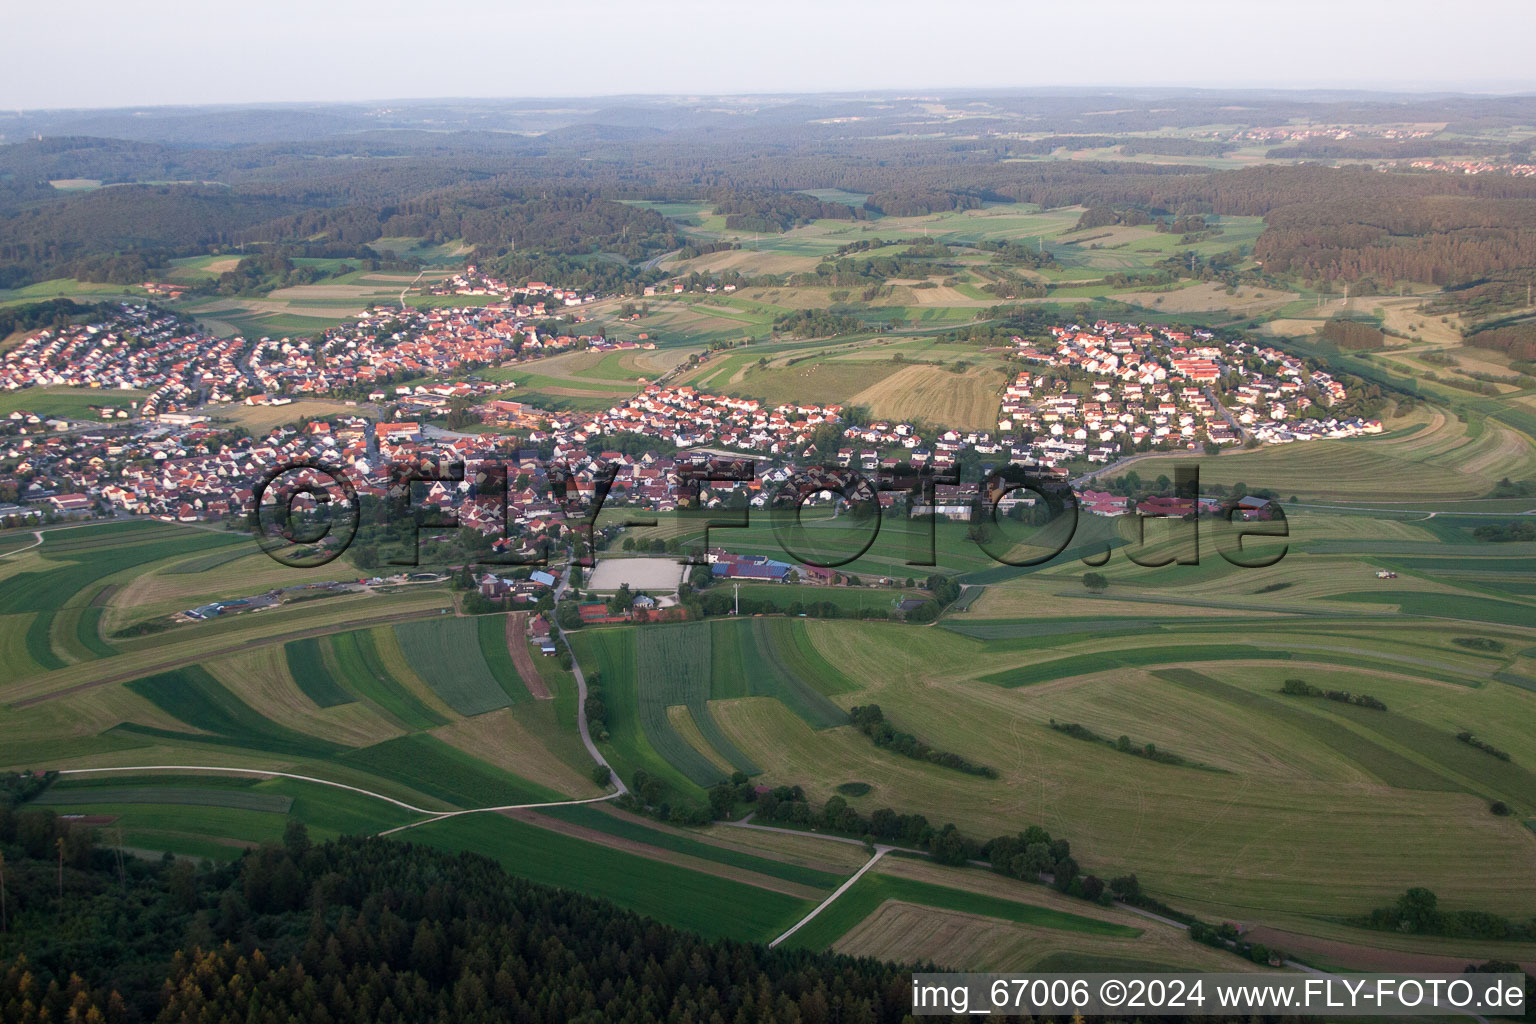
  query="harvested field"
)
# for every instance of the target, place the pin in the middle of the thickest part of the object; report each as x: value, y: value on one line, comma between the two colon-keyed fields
x: 522, y: 656
x: 498, y: 738
x: 965, y: 401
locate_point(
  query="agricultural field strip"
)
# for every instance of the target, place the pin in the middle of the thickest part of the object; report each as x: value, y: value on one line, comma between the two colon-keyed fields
x: 689, y: 842
x: 880, y: 851
x: 201, y: 656
x: 673, y: 666
x: 447, y: 654
x: 431, y: 815
x: 37, y: 542
x: 190, y: 796
x: 246, y: 771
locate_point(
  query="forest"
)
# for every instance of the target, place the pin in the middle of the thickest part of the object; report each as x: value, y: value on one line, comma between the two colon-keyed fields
x: 540, y: 201
x: 371, y: 930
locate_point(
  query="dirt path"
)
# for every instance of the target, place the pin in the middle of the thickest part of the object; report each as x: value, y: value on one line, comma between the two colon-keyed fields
x: 37, y: 542
x: 517, y: 646
x: 248, y: 771
x: 880, y: 851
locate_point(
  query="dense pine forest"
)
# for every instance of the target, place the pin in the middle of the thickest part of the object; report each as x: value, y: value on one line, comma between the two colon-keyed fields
x: 371, y: 930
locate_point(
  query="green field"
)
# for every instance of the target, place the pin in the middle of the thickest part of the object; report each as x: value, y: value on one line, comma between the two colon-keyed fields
x: 672, y: 667
x: 71, y: 403
x: 307, y: 665
x: 775, y: 658
x: 492, y: 632
x: 446, y: 652
x: 76, y: 558
x: 215, y: 816
x: 612, y: 653
x: 196, y: 698
x: 430, y: 766
x: 593, y: 817
x: 359, y: 663
x: 714, y: 906
x: 185, y: 796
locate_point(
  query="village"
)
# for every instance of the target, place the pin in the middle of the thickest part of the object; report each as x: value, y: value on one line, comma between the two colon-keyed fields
x: 1093, y: 394
x: 1138, y: 389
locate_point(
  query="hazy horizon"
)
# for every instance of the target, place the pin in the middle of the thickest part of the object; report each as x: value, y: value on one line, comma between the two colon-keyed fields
x: 135, y: 54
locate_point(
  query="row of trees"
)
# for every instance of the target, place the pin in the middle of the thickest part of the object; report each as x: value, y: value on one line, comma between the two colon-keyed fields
x: 871, y: 721
x: 1417, y: 911
x: 1302, y: 688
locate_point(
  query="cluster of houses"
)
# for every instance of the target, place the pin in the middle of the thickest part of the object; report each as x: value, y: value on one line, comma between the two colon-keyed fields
x: 1334, y: 132
x: 136, y: 348
x: 389, y: 344
x: 689, y: 418
x: 1145, y: 387
x: 1153, y: 387
x: 1103, y: 503
x: 1519, y: 170
x: 477, y: 283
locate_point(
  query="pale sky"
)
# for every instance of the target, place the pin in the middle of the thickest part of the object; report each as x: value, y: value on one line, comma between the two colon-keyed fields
x: 115, y: 53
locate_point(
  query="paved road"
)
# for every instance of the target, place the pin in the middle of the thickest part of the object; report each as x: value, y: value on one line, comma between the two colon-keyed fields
x: 655, y: 261
x: 581, y: 695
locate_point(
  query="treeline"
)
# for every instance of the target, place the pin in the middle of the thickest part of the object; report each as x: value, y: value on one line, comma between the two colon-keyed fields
x: 1518, y: 341
x: 1483, y: 745
x: 818, y: 323
x: 1016, y: 253
x: 19, y: 787
x: 860, y: 271
x: 1417, y: 912
x: 35, y: 316
x: 1432, y: 239
x: 1513, y: 531
x: 368, y: 930
x: 1176, y: 147
x: 1106, y: 216
x: 587, y: 275
x: 1302, y: 688
x: 871, y: 721
x: 1031, y: 855
x: 494, y: 220
x: 1383, y: 149
x: 120, y: 234
x: 1324, y: 223
x: 262, y: 272
x: 918, y: 202
x: 1149, y: 751
x: 772, y: 212
x: 1354, y: 335
x: 1001, y: 323
x: 716, y: 602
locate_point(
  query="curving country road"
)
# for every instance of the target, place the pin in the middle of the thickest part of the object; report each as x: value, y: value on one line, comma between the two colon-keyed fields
x: 581, y: 695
